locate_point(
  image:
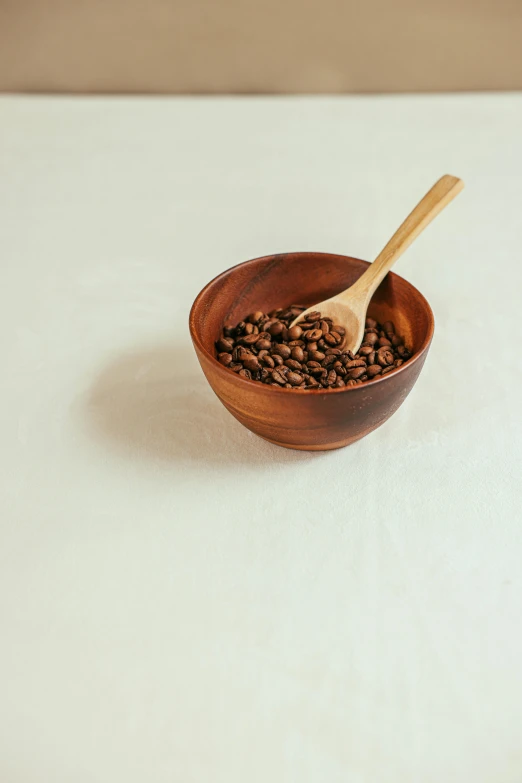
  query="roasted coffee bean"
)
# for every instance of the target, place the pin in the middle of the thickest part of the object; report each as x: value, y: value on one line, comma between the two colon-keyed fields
x: 332, y: 377
x: 252, y: 364
x: 225, y: 344
x: 240, y: 353
x: 265, y: 348
x: 295, y: 332
x: 385, y: 357
x: 279, y: 376
x: 329, y: 359
x: 315, y: 315
x: 276, y: 328
x: 313, y: 334
x: 295, y: 378
x: 255, y: 317
x: 356, y: 373
x: 268, y: 361
x: 355, y: 363
x: 282, y: 350
x: 249, y: 339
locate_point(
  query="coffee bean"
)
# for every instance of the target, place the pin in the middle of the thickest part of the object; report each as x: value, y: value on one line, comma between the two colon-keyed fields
x: 295, y: 332
x: 276, y: 328
x: 371, y: 338
x: 388, y: 327
x: 339, y: 383
x: 295, y: 378
x: 383, y: 341
x: 398, y: 362
x: 311, y: 347
x: 279, y: 376
x: 252, y: 364
x: 356, y: 373
x: 332, y: 377
x: 225, y: 344
x: 249, y: 339
x: 315, y: 315
x: 278, y: 360
x: 370, y: 323
x: 255, y: 317
x: 339, y: 329
x: 313, y: 334
x: 268, y: 361
x: 355, y: 363
x: 298, y: 354
x: 385, y: 357
x: 373, y: 370
x: 263, y: 345
x: 282, y: 350
x: 316, y: 356
x: 293, y: 364
x: 387, y: 369
x: 235, y: 366
x: 245, y: 374
x: 365, y: 350
x: 225, y: 359
x: 370, y: 359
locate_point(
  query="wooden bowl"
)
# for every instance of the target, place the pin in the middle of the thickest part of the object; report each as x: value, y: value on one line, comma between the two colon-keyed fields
x: 318, y: 419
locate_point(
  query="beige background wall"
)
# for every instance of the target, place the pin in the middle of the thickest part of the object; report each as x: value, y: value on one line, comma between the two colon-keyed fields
x: 259, y: 45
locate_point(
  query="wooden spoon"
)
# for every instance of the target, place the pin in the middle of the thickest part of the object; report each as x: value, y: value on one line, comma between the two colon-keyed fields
x: 349, y: 308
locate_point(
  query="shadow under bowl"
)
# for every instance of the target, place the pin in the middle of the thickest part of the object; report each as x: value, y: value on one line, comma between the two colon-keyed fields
x: 313, y: 420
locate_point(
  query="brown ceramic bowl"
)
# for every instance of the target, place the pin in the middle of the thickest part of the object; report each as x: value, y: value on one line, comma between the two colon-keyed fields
x: 318, y: 419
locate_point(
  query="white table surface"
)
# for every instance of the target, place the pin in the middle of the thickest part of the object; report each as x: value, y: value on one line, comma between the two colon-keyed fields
x: 179, y: 600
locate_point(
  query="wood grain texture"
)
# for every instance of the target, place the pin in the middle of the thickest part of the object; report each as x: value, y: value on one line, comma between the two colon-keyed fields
x: 313, y: 420
x: 232, y: 46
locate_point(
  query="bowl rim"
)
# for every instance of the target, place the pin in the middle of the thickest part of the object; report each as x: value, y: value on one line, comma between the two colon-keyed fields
x: 278, y: 390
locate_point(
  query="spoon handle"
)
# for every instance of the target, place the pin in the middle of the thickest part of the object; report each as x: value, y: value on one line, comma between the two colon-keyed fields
x: 428, y: 208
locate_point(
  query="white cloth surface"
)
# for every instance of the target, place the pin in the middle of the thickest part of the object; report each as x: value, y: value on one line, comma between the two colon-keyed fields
x: 179, y: 600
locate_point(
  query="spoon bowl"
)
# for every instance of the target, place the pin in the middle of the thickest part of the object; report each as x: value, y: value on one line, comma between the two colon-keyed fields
x: 311, y: 420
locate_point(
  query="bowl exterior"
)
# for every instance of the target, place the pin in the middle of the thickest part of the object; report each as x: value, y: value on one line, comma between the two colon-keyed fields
x: 308, y: 420
x: 311, y: 421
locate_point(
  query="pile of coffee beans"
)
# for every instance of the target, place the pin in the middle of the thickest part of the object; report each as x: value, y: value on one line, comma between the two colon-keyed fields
x: 265, y: 348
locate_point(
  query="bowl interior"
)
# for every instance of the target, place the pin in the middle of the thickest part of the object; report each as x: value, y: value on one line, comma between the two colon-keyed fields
x: 304, y: 278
